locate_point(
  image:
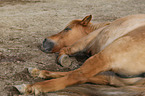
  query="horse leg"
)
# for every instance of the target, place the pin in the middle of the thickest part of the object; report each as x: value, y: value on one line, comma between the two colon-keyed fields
x: 90, y: 68
x: 81, y: 45
x: 46, y: 74
x: 111, y: 79
x: 99, y: 79
x: 103, y: 78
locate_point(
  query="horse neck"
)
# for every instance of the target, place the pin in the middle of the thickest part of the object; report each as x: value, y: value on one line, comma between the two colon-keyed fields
x: 95, y: 47
x: 92, y: 27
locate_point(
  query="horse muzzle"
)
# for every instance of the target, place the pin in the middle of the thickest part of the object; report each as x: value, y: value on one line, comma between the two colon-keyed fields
x: 47, y: 45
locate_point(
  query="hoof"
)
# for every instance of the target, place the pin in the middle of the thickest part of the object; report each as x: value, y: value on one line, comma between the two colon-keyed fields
x: 21, y: 88
x: 34, y: 71
x: 65, y: 61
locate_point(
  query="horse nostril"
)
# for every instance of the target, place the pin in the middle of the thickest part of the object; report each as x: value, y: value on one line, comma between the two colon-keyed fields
x: 48, y: 44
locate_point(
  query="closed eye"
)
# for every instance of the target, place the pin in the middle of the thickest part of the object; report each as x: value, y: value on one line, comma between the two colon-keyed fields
x: 67, y: 29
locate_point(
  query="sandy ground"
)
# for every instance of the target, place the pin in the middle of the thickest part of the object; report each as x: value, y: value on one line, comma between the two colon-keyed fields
x: 25, y: 23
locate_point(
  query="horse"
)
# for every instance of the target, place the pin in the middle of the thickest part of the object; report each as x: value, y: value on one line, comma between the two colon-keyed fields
x: 117, y: 54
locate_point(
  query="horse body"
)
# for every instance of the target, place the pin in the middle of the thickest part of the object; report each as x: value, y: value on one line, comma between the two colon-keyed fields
x: 116, y: 29
x: 117, y: 47
x: 119, y: 31
x: 128, y: 53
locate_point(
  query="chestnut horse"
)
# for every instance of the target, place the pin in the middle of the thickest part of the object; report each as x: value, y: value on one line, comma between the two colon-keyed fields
x: 117, y: 48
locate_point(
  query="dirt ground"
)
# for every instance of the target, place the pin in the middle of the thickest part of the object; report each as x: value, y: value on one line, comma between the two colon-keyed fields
x: 25, y: 23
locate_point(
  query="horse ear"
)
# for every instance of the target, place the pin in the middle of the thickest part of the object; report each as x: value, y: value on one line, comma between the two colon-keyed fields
x: 86, y: 20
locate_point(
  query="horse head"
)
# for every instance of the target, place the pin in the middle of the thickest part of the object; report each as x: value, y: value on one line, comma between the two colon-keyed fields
x: 75, y: 30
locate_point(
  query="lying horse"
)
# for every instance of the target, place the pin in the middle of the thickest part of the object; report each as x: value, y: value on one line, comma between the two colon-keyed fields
x: 117, y: 49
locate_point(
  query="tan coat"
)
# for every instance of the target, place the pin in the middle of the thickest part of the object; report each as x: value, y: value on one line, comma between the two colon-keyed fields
x: 118, y: 47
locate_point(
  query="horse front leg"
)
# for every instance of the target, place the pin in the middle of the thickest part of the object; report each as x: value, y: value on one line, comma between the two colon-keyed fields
x: 46, y: 74
x: 75, y: 77
x: 90, y: 68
